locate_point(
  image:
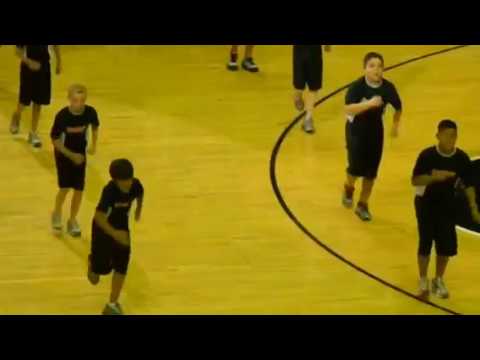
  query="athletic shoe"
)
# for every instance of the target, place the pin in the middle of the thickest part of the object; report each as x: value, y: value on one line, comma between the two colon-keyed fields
x: 423, y: 290
x: 232, y: 66
x: 347, y: 197
x: 112, y: 309
x: 34, y: 140
x: 307, y: 125
x: 439, y: 289
x: 249, y: 65
x: 73, y: 228
x: 56, y: 222
x: 362, y: 212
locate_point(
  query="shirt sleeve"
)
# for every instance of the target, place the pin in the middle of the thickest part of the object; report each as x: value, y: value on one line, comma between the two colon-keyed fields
x: 423, y: 165
x: 94, y: 119
x: 354, y: 94
x: 106, y: 201
x: 466, y: 171
x: 58, y: 127
x: 394, y: 98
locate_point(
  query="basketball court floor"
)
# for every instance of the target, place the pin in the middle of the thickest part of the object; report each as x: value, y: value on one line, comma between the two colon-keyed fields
x: 214, y: 238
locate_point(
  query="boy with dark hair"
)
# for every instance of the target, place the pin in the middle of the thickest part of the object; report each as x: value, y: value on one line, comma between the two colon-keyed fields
x: 437, y: 173
x: 365, y: 105
x: 307, y: 71
x: 69, y: 136
x: 111, y: 244
x: 247, y: 64
x: 35, y: 85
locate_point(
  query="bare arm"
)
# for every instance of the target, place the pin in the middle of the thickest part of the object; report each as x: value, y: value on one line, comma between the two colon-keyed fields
x: 436, y: 176
x: 138, y: 211
x: 118, y: 235
x: 358, y: 108
x: 76, y: 158
x: 93, y: 147
x: 58, y: 58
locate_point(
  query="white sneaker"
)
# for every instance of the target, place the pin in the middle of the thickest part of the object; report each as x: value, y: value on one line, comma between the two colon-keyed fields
x: 34, y: 140
x: 56, y: 222
x: 423, y: 288
x: 73, y: 229
x: 308, y: 125
x: 439, y: 289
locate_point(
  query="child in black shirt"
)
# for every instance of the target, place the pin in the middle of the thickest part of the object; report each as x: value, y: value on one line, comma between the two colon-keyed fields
x: 365, y: 101
x: 438, y: 171
x: 69, y: 137
x: 110, y: 231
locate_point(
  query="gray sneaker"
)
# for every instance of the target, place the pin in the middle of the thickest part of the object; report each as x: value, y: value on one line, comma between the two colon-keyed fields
x: 112, y: 309
x: 347, y: 197
x: 307, y: 125
x: 73, y: 229
x: 423, y: 290
x: 15, y: 124
x: 56, y: 222
x: 34, y: 140
x: 439, y: 289
x: 362, y: 212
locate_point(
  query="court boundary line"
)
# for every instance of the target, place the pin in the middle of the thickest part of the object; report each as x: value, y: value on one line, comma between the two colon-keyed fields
x: 297, y: 222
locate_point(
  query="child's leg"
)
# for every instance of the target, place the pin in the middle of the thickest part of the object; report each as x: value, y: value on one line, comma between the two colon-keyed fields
x: 310, y: 98
x: 298, y: 99
x: 75, y: 207
x: 36, y: 110
x: 367, y: 186
x: 59, y: 200
x: 423, y: 262
x: 16, y: 118
x: 442, y: 262
x: 249, y: 51
x: 117, y: 285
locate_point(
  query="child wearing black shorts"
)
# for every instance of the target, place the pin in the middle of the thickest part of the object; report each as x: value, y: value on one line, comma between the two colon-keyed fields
x: 69, y: 136
x: 110, y: 249
x: 307, y: 71
x: 365, y: 104
x: 438, y: 171
x: 35, y: 85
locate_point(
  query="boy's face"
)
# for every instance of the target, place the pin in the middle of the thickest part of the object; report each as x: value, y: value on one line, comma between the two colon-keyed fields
x: 77, y: 101
x: 447, y: 138
x: 124, y: 185
x: 374, y: 70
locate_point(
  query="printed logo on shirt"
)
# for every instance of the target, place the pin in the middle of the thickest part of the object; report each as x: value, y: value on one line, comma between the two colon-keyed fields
x: 76, y: 129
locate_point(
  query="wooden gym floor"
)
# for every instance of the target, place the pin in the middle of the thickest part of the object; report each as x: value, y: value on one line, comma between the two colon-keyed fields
x: 214, y: 239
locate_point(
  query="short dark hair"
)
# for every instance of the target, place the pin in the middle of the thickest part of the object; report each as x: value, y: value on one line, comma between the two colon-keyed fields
x: 447, y: 124
x: 121, y: 169
x: 370, y: 56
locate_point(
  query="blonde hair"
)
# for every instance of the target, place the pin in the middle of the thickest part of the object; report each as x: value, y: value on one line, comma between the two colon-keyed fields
x: 77, y: 89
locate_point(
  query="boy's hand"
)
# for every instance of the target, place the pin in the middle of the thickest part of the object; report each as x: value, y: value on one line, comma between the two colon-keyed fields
x: 395, y: 131
x: 476, y: 216
x: 138, y: 215
x: 122, y: 237
x: 33, y: 65
x: 442, y: 175
x: 58, y: 68
x: 376, y: 101
x: 92, y: 150
x: 78, y: 159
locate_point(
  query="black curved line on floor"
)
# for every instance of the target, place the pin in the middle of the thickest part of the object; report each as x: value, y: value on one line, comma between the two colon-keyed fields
x: 291, y: 215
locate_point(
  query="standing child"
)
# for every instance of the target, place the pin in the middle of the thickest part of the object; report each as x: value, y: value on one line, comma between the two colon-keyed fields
x: 307, y: 71
x: 69, y: 137
x: 35, y: 85
x: 437, y: 172
x: 110, y: 231
x: 365, y: 104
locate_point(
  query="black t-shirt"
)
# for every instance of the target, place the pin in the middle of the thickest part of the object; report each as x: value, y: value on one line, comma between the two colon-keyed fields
x: 442, y: 194
x: 116, y: 204
x: 72, y: 129
x: 37, y: 52
x: 370, y: 121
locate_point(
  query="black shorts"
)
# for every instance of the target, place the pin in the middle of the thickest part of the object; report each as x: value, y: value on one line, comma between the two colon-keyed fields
x: 35, y: 86
x: 434, y: 226
x: 364, y: 154
x: 69, y: 175
x: 107, y: 254
x: 307, y: 67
